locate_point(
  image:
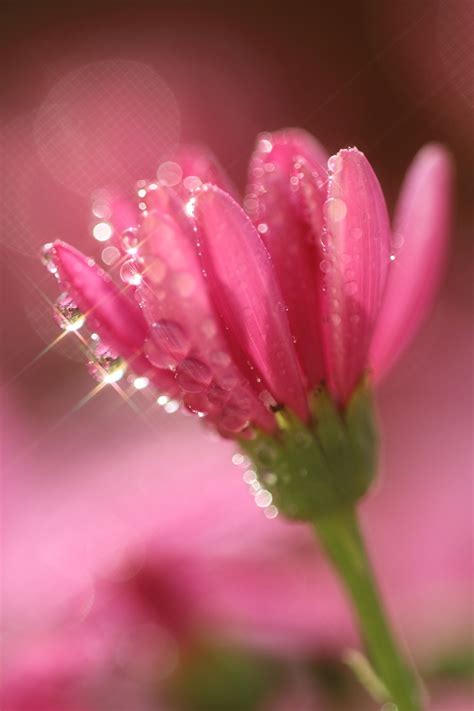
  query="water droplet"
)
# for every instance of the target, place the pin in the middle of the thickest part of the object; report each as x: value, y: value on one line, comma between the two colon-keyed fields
x: 397, y: 240
x: 171, y: 406
x: 167, y: 345
x: 129, y: 240
x: 335, y: 209
x: 184, y: 284
x: 101, y: 209
x: 169, y: 173
x: 336, y: 319
x: 263, y: 498
x: 129, y: 273
x: 67, y: 314
x: 238, y: 459
x: 351, y: 288
x: 249, y: 476
x: 193, y: 375
x: 107, y: 366
x: 48, y: 257
x: 265, y: 146
x: 325, y: 266
x: 162, y: 400
x: 102, y: 231
x: 233, y: 419
x: 335, y: 163
x: 192, y: 182
x: 220, y: 359
x: 270, y: 512
x: 392, y: 257
x: 110, y: 255
x: 217, y: 395
x: 267, y: 399
x: 190, y: 207
x: 141, y: 382
x: 262, y: 228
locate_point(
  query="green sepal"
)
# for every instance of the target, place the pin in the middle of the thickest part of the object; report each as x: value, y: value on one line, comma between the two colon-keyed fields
x: 314, y: 469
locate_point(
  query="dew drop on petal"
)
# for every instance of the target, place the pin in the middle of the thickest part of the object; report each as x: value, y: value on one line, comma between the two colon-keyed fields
x: 129, y: 273
x: 167, y: 345
x: 267, y: 399
x: 193, y: 375
x: 67, y: 314
x: 220, y: 359
x: 217, y: 395
x: 335, y: 163
x: 335, y: 209
x: 397, y: 240
x: 233, y: 420
x: 110, y: 255
x: 262, y: 228
x: 238, y: 459
x: 325, y: 266
x: 107, y: 366
x: 263, y: 498
x: 48, y: 257
x: 264, y: 145
x: 171, y: 406
x: 270, y: 511
x: 102, y: 231
x: 192, y: 182
x: 129, y: 240
x: 157, y: 356
x: 141, y: 382
x: 249, y: 476
x: 169, y: 173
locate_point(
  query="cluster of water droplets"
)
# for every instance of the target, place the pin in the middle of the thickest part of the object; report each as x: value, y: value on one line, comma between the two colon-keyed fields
x: 104, y: 364
x: 210, y: 385
x: 339, y: 269
x: 262, y: 497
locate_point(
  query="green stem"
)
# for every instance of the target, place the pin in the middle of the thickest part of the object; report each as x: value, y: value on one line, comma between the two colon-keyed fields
x: 341, y: 538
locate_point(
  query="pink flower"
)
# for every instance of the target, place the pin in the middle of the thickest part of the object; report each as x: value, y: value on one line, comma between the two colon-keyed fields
x: 239, y: 314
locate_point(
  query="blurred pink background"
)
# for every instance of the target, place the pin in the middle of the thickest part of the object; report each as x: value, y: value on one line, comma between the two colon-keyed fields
x: 104, y: 492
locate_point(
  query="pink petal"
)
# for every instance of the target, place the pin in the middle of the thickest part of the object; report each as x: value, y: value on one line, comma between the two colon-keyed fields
x: 279, y: 215
x: 185, y: 333
x: 198, y: 161
x: 117, y: 319
x: 421, y: 231
x: 247, y: 297
x: 355, y: 257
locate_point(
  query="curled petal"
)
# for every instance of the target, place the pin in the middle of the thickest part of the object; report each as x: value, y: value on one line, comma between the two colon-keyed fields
x: 246, y: 295
x: 274, y: 205
x: 117, y: 319
x: 420, y: 241
x: 355, y: 257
